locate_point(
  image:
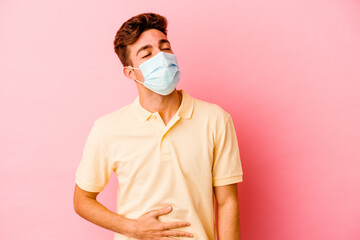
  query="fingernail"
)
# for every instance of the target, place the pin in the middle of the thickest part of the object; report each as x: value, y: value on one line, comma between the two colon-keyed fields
x: 169, y: 208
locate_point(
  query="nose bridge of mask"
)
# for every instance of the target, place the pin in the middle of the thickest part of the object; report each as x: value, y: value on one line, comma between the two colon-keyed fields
x: 161, y: 59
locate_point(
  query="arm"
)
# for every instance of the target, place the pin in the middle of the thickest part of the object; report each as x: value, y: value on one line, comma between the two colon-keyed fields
x: 227, y: 212
x: 86, y: 205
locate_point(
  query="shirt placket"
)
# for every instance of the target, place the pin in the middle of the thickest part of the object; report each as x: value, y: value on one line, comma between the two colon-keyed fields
x: 156, y: 120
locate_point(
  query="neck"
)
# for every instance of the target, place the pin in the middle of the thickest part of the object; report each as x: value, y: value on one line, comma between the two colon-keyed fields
x: 166, y: 106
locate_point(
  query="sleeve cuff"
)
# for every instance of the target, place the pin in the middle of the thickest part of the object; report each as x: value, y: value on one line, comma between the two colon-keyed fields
x: 87, y: 187
x: 227, y: 181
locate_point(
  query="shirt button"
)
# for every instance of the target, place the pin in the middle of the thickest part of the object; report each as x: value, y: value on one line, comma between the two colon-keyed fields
x: 154, y: 117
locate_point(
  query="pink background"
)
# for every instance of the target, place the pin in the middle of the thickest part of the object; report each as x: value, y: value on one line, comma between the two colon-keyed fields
x: 287, y: 71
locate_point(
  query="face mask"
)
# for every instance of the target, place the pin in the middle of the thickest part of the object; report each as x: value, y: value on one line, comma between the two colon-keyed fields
x: 161, y: 73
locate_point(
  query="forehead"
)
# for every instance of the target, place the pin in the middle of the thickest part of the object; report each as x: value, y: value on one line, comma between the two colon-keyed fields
x: 151, y: 36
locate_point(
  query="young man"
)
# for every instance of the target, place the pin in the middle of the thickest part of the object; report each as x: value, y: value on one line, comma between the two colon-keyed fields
x: 171, y: 152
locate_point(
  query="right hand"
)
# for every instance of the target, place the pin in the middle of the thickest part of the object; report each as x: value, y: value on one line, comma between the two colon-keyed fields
x: 148, y: 227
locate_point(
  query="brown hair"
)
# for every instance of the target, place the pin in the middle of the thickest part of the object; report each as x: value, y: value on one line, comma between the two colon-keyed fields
x: 130, y: 31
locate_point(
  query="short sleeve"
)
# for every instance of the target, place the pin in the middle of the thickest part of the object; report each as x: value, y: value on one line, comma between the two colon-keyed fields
x: 227, y: 167
x: 94, y: 169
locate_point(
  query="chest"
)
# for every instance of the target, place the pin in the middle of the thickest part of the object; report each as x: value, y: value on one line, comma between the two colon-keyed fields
x: 152, y: 151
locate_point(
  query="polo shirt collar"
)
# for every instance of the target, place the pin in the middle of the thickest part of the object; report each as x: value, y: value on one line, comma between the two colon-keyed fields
x: 185, y: 110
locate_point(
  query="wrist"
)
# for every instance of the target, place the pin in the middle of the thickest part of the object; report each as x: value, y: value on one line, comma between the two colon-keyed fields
x: 130, y: 227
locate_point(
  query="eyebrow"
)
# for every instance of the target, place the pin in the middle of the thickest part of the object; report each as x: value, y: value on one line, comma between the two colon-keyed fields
x: 162, y: 41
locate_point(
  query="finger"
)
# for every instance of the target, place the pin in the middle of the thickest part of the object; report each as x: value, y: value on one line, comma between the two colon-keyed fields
x: 161, y: 211
x: 172, y: 225
x: 175, y: 233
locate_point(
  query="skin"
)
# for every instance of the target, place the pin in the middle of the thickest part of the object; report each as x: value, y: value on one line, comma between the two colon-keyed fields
x: 148, y: 226
x: 227, y: 212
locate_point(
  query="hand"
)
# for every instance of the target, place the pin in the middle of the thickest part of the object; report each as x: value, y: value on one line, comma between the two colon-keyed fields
x: 148, y: 227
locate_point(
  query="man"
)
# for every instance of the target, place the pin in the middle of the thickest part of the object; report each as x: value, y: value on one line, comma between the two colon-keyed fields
x: 172, y: 153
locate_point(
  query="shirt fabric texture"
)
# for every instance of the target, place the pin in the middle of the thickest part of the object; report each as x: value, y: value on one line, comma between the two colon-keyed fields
x: 157, y: 165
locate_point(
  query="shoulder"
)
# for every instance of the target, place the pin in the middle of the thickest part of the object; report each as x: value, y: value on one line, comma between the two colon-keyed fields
x: 212, y: 117
x: 114, y: 118
x: 210, y: 110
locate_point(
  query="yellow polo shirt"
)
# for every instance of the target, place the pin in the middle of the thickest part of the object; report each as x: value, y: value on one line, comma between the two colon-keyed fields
x: 158, y: 165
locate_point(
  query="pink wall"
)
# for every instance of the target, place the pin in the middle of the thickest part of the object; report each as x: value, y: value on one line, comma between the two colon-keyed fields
x: 287, y: 71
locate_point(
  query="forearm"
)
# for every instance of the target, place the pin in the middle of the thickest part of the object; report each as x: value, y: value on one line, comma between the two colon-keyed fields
x: 93, y: 211
x: 228, y: 221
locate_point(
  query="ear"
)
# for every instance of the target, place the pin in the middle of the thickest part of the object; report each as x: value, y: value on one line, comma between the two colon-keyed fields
x: 129, y: 73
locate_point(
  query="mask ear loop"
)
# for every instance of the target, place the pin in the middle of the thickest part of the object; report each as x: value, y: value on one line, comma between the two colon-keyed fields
x: 133, y: 67
x: 136, y: 79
